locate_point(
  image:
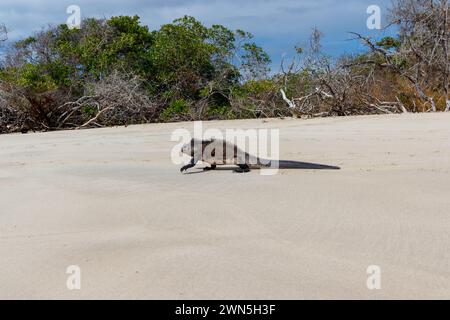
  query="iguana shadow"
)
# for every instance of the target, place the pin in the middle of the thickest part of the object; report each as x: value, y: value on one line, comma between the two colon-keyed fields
x: 283, y: 165
x: 305, y: 165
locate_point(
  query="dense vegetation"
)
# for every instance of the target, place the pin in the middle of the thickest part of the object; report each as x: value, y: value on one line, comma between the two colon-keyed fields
x: 118, y: 72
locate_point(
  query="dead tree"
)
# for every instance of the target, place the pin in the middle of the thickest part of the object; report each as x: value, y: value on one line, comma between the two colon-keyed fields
x: 118, y: 99
x: 422, y: 54
x: 3, y: 33
x: 320, y: 86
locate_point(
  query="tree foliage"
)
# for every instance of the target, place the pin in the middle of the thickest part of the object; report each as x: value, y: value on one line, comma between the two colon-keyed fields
x: 117, y: 71
x: 182, y: 63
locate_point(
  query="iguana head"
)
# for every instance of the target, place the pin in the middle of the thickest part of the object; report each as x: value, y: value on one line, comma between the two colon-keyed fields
x: 195, y: 146
x: 187, y: 149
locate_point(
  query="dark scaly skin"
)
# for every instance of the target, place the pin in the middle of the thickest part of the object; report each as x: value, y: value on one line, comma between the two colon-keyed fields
x: 243, y: 168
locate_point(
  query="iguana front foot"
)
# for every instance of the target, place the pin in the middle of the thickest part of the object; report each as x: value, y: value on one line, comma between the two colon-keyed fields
x: 185, y: 168
x: 243, y: 168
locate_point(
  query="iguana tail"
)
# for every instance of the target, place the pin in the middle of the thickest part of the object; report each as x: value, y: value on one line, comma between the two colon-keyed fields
x: 283, y: 164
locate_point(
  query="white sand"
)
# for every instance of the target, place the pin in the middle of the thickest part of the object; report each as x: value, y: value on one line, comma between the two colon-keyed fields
x: 110, y: 201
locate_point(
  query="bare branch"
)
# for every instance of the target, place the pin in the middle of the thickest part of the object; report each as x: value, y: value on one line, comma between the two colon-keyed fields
x: 3, y: 33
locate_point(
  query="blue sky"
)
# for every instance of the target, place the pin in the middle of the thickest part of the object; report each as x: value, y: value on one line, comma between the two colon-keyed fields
x: 278, y: 25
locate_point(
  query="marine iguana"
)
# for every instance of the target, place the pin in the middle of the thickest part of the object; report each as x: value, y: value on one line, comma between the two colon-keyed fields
x: 216, y: 152
x: 220, y: 152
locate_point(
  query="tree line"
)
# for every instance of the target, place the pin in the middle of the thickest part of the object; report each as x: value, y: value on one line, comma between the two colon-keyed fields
x: 118, y: 72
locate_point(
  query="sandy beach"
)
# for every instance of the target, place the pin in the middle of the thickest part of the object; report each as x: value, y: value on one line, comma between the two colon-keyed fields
x: 111, y: 202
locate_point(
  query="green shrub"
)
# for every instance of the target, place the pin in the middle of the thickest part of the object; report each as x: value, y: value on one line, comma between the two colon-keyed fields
x: 177, y: 110
x: 221, y: 112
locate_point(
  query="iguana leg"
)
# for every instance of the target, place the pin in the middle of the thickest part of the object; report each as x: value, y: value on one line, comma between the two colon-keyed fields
x: 212, y: 167
x: 190, y: 165
x: 243, y: 168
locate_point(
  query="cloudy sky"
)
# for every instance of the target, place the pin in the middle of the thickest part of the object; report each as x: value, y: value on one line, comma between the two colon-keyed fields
x: 278, y: 25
